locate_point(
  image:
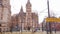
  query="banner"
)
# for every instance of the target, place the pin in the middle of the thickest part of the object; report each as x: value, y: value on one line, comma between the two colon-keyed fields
x: 52, y: 19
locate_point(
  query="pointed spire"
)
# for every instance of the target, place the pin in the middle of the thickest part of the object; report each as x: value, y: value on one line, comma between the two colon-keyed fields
x: 28, y: 3
x: 21, y: 10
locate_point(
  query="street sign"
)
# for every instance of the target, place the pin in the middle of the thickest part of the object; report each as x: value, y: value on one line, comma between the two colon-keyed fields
x: 52, y: 19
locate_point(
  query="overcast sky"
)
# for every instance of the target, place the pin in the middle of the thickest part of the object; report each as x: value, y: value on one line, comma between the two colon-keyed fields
x: 38, y: 6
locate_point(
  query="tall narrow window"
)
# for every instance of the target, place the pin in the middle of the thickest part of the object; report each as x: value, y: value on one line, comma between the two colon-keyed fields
x: 1, y: 5
x: 0, y: 2
x: 1, y: 16
x: 0, y: 28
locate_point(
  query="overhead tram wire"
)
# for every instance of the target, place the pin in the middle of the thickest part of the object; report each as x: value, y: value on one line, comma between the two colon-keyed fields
x: 42, y: 11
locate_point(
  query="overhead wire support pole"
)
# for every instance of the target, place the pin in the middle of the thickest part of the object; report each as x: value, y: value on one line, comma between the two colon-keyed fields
x: 48, y: 17
x: 48, y: 8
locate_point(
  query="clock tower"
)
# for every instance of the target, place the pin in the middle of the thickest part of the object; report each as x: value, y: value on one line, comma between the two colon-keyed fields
x: 28, y: 15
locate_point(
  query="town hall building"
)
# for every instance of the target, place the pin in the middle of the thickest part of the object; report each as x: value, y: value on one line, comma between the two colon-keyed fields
x: 25, y: 20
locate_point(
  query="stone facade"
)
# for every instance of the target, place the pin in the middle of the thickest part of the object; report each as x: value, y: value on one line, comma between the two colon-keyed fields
x: 5, y: 15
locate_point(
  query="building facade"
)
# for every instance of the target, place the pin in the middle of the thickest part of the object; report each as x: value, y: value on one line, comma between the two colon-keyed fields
x: 25, y: 20
x: 21, y: 21
x: 5, y: 15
